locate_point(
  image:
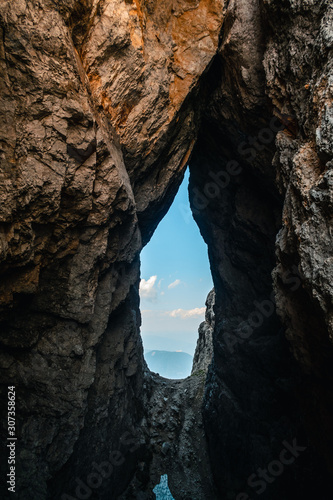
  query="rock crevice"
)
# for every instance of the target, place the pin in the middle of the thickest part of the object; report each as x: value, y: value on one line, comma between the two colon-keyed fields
x: 103, y: 105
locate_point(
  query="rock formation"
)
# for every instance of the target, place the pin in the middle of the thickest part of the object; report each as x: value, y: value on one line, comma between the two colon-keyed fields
x: 177, y: 440
x: 103, y: 105
x: 276, y: 58
x: 204, y: 349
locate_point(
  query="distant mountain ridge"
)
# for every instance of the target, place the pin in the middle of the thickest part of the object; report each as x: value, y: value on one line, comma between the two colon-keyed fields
x: 169, y: 364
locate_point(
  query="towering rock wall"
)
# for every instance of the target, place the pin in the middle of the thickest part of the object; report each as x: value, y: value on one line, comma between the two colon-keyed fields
x: 97, y: 124
x: 299, y: 72
x: 69, y: 253
x: 261, y: 167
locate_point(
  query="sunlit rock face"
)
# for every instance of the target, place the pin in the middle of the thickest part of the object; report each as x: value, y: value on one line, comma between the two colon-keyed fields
x: 69, y: 258
x: 98, y: 119
x: 143, y: 72
x: 103, y: 104
x: 261, y: 193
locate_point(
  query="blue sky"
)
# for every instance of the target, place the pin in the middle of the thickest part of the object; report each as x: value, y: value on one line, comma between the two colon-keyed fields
x: 175, y: 280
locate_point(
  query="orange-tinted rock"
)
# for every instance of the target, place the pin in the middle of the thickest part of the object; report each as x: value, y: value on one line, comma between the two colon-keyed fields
x: 142, y: 68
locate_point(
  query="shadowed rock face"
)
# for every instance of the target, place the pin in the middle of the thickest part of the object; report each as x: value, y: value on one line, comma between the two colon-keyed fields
x: 103, y: 104
x: 302, y: 85
x: 246, y: 186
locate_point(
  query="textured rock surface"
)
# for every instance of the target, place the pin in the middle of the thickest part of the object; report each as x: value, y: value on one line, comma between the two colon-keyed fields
x: 204, y: 349
x: 97, y: 124
x: 70, y: 243
x: 142, y: 70
x: 274, y: 61
x: 300, y: 82
x: 177, y: 440
x: 102, y: 105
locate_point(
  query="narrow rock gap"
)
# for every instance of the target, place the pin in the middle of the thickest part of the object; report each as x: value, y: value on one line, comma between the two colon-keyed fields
x: 175, y: 281
x: 179, y: 465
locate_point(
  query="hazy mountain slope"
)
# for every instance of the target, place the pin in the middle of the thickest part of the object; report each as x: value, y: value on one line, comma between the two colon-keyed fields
x: 169, y: 364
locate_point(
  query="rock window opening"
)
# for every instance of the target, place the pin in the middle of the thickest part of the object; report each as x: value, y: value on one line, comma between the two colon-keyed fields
x: 161, y: 490
x: 175, y: 281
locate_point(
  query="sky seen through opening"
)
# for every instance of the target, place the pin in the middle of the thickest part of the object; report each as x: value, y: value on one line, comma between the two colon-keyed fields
x: 175, y: 280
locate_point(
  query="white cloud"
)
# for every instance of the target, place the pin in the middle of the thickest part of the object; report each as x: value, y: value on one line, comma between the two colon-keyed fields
x: 174, y: 284
x: 186, y: 313
x: 148, y: 290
